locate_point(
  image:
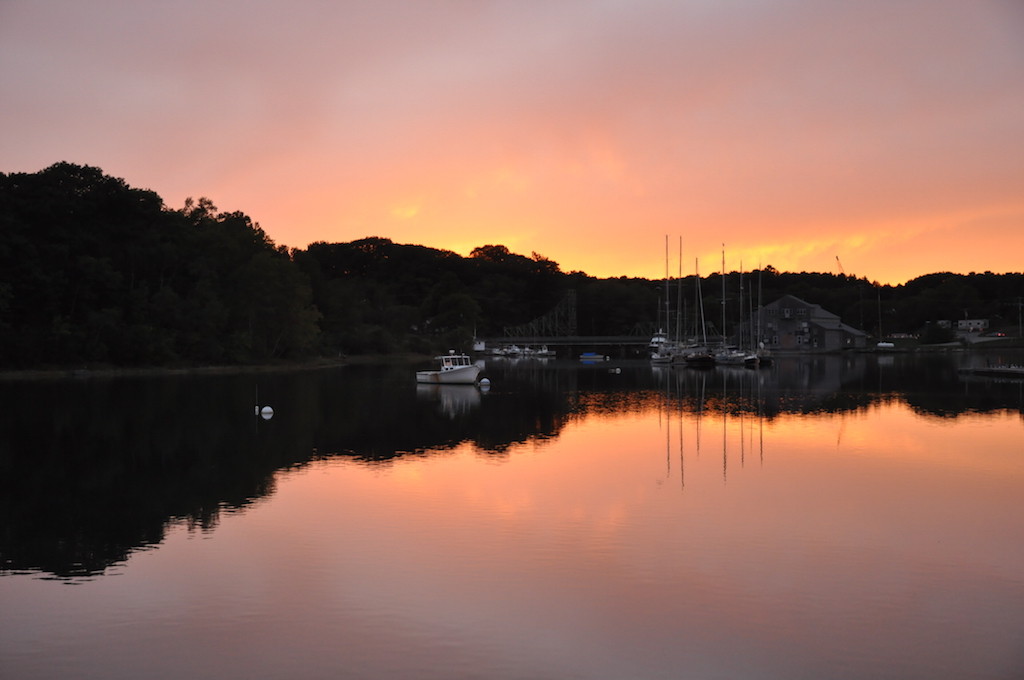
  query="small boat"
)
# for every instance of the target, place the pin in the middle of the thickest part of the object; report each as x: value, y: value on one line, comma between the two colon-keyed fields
x: 735, y: 357
x: 545, y: 353
x: 699, y: 358
x: 455, y: 369
x: 1004, y: 371
x: 592, y: 357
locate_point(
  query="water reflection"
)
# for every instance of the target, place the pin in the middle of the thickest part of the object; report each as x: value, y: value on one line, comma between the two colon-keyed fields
x: 452, y: 400
x: 94, y: 469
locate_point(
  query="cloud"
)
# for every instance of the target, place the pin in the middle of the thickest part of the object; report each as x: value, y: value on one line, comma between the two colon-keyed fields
x: 585, y: 130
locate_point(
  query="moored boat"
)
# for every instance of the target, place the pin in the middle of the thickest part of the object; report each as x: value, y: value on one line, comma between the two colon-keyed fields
x: 699, y: 358
x: 455, y: 369
x: 1004, y: 371
x: 592, y: 357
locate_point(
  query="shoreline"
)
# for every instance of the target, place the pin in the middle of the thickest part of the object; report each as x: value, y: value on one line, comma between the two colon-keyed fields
x: 226, y: 369
x: 408, y: 358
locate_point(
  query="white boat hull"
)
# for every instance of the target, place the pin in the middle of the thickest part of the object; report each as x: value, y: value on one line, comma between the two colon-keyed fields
x: 460, y: 375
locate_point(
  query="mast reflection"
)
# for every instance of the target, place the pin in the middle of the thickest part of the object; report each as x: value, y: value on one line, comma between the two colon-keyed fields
x: 93, y: 469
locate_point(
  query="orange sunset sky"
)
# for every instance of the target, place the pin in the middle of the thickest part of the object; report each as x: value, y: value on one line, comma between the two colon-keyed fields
x: 889, y: 133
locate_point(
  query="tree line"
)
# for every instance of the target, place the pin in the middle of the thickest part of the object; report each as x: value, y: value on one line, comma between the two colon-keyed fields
x: 94, y: 271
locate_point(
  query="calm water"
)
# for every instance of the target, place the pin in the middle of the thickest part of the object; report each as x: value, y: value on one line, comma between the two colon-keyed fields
x: 831, y: 517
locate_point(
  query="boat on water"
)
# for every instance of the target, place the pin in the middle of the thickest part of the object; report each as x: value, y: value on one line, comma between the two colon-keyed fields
x: 999, y: 371
x: 592, y: 357
x: 731, y: 356
x: 696, y: 357
x: 541, y: 352
x: 658, y: 340
x: 454, y: 369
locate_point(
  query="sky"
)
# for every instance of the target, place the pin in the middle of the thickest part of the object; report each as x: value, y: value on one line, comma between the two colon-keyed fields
x: 879, y: 138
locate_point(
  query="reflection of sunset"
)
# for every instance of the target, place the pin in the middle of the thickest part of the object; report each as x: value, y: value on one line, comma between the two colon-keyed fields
x: 645, y: 522
x: 632, y: 461
x: 606, y: 519
x: 896, y: 433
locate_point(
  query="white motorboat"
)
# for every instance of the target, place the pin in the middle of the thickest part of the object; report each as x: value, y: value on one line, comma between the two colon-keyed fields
x: 455, y: 369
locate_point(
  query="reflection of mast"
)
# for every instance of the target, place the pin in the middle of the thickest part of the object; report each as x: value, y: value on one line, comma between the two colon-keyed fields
x: 668, y: 420
x: 682, y: 466
x: 743, y: 450
x: 668, y: 437
x: 725, y: 417
x: 760, y: 421
x: 700, y: 409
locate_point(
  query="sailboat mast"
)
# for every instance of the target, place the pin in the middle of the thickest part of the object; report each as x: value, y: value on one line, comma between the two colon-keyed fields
x: 723, y: 295
x: 668, y: 318
x: 739, y: 328
x: 700, y: 302
x: 679, y: 295
x: 760, y: 306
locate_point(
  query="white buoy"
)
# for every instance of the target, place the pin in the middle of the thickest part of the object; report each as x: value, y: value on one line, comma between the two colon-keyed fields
x: 485, y: 382
x: 266, y: 413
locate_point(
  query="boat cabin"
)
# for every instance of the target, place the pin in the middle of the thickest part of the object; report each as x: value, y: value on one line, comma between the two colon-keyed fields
x: 452, y: 361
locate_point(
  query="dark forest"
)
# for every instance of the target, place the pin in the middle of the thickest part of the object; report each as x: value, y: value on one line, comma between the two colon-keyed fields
x: 94, y: 272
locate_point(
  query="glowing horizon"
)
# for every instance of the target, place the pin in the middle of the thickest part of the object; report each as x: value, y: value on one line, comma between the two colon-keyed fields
x: 887, y: 136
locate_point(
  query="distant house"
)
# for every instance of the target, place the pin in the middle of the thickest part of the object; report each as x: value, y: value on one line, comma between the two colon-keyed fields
x: 972, y: 325
x: 791, y: 324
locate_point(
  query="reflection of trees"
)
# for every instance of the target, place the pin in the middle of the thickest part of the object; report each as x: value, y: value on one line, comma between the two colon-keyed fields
x: 93, y: 469
x: 930, y: 384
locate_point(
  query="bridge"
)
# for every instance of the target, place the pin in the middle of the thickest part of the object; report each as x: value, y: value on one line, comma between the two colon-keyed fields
x: 557, y: 328
x: 613, y: 345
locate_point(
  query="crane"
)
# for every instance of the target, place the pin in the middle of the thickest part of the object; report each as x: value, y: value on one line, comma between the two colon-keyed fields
x: 840, y: 266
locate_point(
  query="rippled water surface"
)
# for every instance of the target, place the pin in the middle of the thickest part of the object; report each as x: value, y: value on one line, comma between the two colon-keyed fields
x: 828, y: 517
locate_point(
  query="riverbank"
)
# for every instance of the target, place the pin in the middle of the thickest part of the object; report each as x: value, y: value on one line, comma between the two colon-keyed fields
x: 319, y: 363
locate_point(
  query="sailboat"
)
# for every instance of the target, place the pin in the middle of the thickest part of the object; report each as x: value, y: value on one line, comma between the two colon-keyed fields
x: 697, y: 355
x: 732, y: 356
x: 764, y: 355
x: 661, y: 346
x: 665, y: 350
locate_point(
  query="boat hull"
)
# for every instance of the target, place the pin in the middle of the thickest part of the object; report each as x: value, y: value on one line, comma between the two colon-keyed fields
x: 461, y: 375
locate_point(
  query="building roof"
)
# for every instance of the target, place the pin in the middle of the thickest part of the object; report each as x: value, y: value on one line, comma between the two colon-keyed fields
x: 829, y: 325
x: 817, y: 315
x: 816, y: 311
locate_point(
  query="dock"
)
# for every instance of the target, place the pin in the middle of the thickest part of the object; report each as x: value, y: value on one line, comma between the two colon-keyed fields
x: 996, y: 371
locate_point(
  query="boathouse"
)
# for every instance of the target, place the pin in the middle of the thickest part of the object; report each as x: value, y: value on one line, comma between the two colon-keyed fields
x: 792, y: 324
